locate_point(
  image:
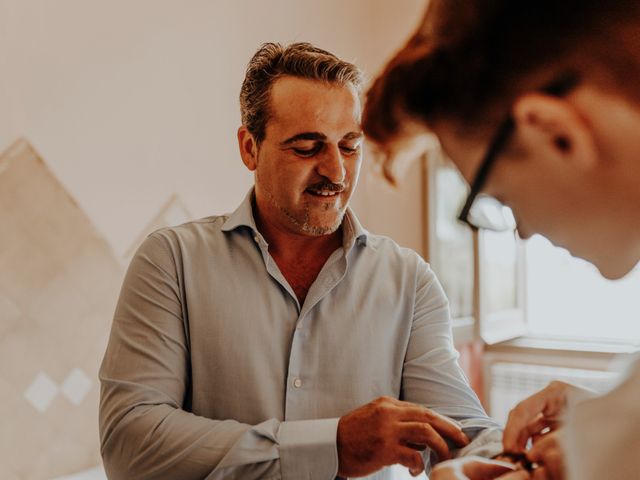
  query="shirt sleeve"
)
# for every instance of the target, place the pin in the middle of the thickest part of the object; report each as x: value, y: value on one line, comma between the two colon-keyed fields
x: 145, y: 430
x: 432, y: 375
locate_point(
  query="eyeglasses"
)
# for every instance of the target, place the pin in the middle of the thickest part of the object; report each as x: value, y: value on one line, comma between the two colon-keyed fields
x: 484, y: 211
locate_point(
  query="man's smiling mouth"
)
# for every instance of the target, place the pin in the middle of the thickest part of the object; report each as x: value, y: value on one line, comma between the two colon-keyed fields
x: 325, y: 189
x: 323, y: 193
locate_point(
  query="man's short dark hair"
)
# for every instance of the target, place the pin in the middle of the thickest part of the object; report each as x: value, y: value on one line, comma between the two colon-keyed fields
x: 272, y: 61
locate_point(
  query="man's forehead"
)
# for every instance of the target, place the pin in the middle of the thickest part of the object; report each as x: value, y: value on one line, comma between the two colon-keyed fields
x: 289, y: 85
x: 314, y: 105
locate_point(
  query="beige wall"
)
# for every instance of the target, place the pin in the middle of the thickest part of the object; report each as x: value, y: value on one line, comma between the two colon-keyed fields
x: 58, y: 286
x: 133, y: 108
x: 130, y: 102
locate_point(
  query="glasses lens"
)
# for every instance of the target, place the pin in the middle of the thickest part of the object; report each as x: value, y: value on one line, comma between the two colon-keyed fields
x: 488, y: 213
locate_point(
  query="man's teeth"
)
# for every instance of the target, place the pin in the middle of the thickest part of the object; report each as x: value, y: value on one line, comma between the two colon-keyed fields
x: 324, y: 193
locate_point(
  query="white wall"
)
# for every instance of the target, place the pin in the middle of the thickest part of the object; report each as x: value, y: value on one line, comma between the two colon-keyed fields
x: 130, y: 101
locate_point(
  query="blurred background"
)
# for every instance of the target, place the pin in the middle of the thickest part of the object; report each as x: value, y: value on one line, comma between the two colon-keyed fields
x: 120, y: 117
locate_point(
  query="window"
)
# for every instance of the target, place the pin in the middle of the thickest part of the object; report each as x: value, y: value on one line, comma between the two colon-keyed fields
x: 501, y: 287
x: 451, y: 243
x: 463, y: 259
x: 568, y: 297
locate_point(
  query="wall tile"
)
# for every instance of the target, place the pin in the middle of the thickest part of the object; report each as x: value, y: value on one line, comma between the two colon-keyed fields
x: 76, y: 386
x: 41, y: 392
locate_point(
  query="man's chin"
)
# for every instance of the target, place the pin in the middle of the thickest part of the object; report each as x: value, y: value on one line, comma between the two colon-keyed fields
x: 615, y: 270
x: 318, y: 227
x: 313, y: 223
x: 318, y: 230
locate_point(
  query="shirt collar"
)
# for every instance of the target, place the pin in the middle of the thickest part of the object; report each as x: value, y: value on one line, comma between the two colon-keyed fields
x: 352, y: 231
x: 243, y: 217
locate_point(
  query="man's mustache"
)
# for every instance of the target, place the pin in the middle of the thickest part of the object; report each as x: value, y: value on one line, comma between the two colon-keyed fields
x: 330, y: 186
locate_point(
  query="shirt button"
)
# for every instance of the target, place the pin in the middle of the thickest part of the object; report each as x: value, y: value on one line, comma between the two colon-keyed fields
x: 297, y: 383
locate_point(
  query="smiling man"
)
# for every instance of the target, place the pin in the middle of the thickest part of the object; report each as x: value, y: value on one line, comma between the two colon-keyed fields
x: 284, y: 340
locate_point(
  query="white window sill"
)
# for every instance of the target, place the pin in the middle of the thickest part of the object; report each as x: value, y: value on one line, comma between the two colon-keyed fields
x: 568, y: 344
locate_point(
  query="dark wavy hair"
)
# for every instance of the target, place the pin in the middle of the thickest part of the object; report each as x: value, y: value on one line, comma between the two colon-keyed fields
x: 272, y: 61
x: 469, y: 59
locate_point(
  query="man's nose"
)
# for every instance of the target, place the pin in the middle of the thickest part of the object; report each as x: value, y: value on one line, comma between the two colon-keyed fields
x: 331, y: 165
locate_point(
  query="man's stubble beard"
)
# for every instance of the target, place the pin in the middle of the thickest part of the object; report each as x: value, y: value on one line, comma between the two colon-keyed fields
x: 313, y: 230
x: 303, y: 225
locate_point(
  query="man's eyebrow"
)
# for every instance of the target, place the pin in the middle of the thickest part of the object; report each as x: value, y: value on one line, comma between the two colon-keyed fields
x: 353, y: 136
x: 304, y: 136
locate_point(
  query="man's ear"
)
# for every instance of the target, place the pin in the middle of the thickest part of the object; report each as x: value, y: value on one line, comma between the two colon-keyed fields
x: 248, y: 148
x: 553, y: 127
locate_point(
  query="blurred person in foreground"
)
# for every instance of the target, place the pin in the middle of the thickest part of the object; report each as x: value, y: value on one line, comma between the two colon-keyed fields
x: 538, y: 105
x: 284, y: 340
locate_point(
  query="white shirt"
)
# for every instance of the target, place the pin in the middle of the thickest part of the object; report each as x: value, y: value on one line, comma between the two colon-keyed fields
x: 603, y: 433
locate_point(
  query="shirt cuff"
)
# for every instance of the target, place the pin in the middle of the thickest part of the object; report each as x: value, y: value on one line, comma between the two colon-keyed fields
x: 308, y: 449
x: 487, y: 443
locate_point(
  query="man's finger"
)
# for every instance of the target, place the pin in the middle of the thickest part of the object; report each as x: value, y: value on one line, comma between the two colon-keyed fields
x: 516, y: 434
x: 411, y: 412
x: 540, y: 473
x: 410, y: 458
x: 445, y: 426
x: 550, y: 402
x: 448, y: 429
x: 537, y: 425
x: 417, y: 433
x: 544, y: 444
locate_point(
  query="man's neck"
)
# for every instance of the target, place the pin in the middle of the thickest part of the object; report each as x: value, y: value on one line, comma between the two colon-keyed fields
x: 300, y: 258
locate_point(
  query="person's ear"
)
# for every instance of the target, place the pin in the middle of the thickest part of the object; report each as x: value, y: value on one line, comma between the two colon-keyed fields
x: 248, y: 148
x: 553, y: 127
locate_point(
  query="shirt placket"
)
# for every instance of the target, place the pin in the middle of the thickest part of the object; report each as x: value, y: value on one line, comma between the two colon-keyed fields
x: 301, y: 382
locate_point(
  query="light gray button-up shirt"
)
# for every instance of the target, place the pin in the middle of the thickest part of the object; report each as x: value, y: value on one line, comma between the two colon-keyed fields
x: 214, y: 370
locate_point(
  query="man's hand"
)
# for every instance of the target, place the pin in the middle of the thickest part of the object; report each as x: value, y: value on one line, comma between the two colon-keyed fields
x: 388, y: 431
x: 536, y: 414
x: 548, y: 454
x: 477, y: 468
